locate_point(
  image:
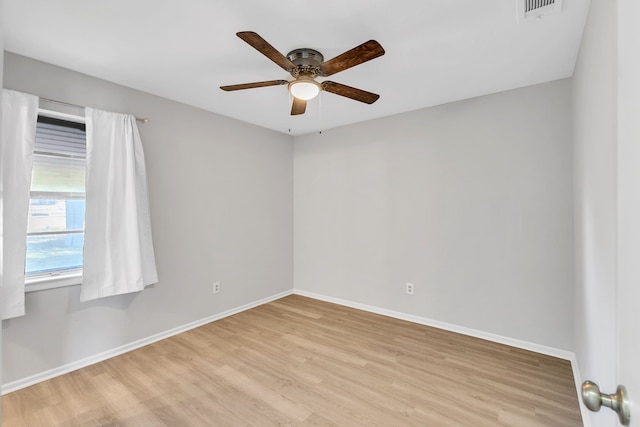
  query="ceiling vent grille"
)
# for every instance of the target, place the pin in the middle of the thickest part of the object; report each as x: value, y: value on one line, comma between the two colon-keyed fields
x: 530, y: 5
x: 538, y: 8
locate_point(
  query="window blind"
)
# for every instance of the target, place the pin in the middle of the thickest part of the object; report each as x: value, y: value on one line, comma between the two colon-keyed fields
x: 59, y: 157
x: 60, y: 137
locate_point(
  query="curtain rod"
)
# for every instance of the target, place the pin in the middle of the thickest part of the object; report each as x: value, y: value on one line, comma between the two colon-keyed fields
x: 142, y: 120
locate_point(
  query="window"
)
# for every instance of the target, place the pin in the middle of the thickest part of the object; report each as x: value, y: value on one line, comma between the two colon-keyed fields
x: 55, y: 233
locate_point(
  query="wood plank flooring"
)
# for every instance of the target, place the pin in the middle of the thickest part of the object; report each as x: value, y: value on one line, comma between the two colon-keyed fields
x: 302, y: 362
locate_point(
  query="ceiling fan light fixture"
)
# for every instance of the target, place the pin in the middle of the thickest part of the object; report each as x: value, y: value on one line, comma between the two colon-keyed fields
x: 304, y: 89
x: 306, y: 64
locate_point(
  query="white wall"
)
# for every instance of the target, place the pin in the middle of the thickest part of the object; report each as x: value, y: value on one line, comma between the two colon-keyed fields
x: 1, y: 192
x: 606, y: 98
x: 595, y: 134
x: 471, y: 201
x: 221, y: 207
x: 629, y: 199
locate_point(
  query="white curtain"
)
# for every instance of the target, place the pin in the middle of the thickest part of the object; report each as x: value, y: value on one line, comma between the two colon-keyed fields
x: 19, y: 117
x: 118, y: 249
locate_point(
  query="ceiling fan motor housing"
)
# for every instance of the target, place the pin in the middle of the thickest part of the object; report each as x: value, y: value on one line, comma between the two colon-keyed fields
x: 306, y: 60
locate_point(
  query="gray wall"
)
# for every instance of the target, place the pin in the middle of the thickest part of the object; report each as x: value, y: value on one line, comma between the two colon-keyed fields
x: 595, y: 129
x: 221, y: 206
x: 471, y: 201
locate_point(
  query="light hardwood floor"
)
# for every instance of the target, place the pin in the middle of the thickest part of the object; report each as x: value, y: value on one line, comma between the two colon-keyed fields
x: 302, y: 362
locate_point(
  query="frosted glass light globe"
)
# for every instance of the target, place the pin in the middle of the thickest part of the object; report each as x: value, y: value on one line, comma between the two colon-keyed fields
x: 304, y: 89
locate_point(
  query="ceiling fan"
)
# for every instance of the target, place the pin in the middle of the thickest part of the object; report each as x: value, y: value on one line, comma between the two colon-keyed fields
x: 305, y: 65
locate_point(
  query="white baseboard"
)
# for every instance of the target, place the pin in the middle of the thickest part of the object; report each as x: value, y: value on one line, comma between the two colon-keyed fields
x: 586, y: 418
x: 52, y: 373
x: 525, y: 345
x: 61, y: 370
x: 562, y: 354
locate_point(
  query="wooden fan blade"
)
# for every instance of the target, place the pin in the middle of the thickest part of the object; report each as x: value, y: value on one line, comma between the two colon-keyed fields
x: 298, y: 107
x: 262, y: 46
x: 350, y: 92
x: 254, y: 85
x: 359, y: 54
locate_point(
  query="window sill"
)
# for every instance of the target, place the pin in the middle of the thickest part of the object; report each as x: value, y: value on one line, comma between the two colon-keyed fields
x: 42, y: 283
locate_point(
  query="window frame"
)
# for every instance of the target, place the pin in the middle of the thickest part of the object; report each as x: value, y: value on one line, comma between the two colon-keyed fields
x: 63, y: 278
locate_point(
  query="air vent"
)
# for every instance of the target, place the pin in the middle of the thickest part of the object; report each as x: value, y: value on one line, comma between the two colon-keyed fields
x: 538, y: 8
x: 530, y: 5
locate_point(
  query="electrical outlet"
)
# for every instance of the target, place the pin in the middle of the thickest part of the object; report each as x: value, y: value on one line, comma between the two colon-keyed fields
x: 410, y: 288
x: 216, y: 287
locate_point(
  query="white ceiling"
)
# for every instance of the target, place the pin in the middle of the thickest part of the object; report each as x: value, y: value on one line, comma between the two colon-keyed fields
x: 437, y: 51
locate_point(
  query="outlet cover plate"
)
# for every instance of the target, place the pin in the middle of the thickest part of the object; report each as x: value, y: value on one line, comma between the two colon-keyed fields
x: 410, y: 287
